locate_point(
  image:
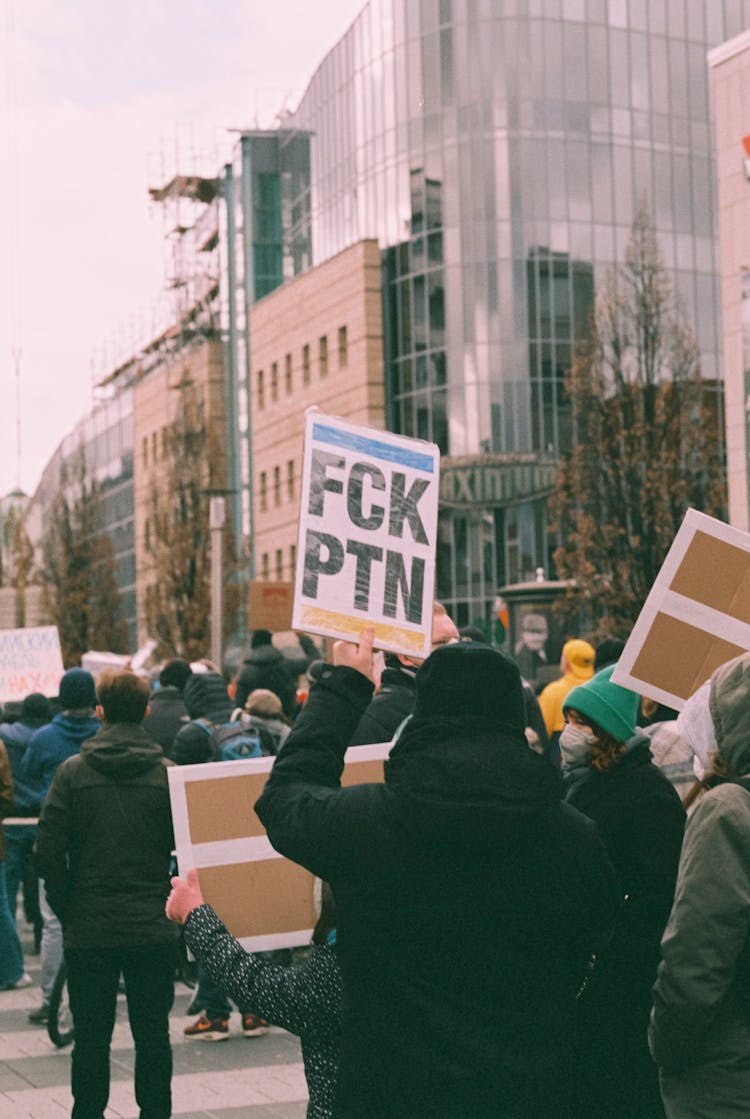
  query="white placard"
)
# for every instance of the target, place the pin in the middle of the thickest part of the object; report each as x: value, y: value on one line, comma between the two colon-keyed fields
x: 30, y: 661
x: 367, y: 535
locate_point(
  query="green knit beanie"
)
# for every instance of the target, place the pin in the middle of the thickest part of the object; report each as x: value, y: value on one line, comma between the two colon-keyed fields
x: 611, y: 707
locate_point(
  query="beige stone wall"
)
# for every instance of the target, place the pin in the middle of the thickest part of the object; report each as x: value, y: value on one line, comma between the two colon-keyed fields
x: 156, y: 403
x: 342, y: 293
x: 36, y: 613
x: 730, y: 66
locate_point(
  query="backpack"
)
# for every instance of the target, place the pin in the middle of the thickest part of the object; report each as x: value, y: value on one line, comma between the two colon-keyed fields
x: 230, y: 741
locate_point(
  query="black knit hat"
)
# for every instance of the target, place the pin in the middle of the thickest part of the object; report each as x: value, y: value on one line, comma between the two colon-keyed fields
x: 469, y: 680
x: 175, y: 674
x: 36, y: 710
x: 261, y: 637
x: 77, y: 689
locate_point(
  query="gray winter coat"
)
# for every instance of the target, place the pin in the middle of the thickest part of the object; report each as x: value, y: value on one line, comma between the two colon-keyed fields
x: 700, y: 1025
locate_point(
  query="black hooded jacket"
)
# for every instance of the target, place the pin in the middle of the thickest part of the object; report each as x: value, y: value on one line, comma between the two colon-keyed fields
x: 266, y: 667
x: 469, y: 899
x: 389, y: 707
x: 104, y: 842
x: 206, y: 697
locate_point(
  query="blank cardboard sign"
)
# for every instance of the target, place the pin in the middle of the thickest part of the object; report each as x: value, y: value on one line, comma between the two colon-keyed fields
x: 280, y: 895
x: 696, y: 616
x: 694, y: 656
x: 263, y: 899
x: 220, y: 809
x: 717, y: 574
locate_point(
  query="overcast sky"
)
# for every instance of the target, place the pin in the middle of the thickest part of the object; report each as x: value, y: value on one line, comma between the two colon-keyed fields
x: 95, y: 97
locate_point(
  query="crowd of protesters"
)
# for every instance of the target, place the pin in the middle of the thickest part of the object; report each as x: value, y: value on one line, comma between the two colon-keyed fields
x: 543, y: 912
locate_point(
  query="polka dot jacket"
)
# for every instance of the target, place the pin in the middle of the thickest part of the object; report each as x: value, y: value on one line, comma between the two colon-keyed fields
x: 304, y: 999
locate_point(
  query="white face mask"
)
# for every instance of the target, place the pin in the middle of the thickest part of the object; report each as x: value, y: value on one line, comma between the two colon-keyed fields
x: 575, y: 744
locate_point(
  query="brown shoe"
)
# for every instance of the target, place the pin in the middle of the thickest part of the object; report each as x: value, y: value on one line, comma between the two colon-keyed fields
x: 253, y: 1026
x: 208, y: 1029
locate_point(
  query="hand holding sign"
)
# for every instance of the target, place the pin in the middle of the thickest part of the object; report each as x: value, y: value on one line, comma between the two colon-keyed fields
x: 185, y: 897
x: 359, y: 656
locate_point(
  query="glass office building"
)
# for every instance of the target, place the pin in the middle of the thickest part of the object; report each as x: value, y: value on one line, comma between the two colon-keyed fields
x: 498, y: 150
x: 105, y: 438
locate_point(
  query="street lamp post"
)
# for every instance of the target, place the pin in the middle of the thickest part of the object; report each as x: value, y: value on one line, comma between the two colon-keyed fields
x: 216, y: 515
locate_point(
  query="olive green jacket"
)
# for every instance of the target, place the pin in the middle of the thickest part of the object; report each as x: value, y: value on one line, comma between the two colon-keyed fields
x: 700, y: 1024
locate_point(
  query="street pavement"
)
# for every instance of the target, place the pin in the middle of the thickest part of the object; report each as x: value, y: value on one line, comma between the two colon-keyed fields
x: 242, y: 1078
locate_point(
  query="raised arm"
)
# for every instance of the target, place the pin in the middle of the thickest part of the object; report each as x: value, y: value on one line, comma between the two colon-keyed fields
x: 304, y: 810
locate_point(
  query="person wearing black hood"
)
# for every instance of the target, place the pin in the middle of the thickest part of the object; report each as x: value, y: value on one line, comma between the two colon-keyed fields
x: 168, y: 713
x: 466, y: 892
x: 266, y: 667
x: 394, y: 700
x: 208, y: 704
x: 103, y: 846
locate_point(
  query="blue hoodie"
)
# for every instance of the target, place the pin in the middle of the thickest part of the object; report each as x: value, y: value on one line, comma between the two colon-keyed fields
x: 51, y: 745
x: 27, y: 795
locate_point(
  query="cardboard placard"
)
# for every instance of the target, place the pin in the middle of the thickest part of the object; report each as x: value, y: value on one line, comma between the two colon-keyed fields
x: 697, y: 614
x: 30, y: 661
x: 270, y: 605
x: 367, y: 535
x: 263, y: 899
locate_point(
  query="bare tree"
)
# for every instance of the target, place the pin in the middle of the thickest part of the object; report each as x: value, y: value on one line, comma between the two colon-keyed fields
x: 177, y: 536
x: 17, y: 561
x: 646, y: 441
x: 79, y: 573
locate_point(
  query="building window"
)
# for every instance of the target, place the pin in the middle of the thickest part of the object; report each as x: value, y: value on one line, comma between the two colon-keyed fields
x: 288, y: 373
x: 277, y: 485
x: 147, y: 535
x: 164, y: 442
x: 262, y: 491
x: 154, y: 446
x: 279, y: 564
x: 290, y: 479
x: 293, y: 560
x: 274, y: 380
x: 261, y: 390
x: 343, y: 348
x: 145, y: 450
x: 305, y: 365
x: 264, y: 565
x: 323, y: 355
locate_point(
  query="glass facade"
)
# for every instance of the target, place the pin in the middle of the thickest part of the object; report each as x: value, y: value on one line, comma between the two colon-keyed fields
x: 498, y: 151
x: 105, y: 437
x: 265, y: 226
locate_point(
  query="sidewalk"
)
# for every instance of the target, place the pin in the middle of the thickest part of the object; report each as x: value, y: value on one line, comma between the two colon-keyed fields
x: 243, y: 1078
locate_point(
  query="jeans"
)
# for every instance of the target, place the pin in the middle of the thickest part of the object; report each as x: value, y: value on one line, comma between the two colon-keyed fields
x: 210, y: 997
x: 52, y: 946
x: 93, y: 976
x: 19, y: 843
x: 11, y: 956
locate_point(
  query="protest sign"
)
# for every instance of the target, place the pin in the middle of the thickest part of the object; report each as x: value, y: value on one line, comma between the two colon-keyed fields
x: 30, y: 661
x: 270, y: 605
x: 263, y: 899
x: 367, y: 535
x: 697, y: 614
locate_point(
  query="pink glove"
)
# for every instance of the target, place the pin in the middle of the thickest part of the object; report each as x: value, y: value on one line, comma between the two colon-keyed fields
x: 185, y: 897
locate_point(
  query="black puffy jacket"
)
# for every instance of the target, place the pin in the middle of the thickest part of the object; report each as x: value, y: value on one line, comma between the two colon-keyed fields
x: 465, y: 892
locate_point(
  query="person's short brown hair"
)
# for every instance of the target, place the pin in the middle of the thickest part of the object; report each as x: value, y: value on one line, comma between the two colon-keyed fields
x: 123, y: 696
